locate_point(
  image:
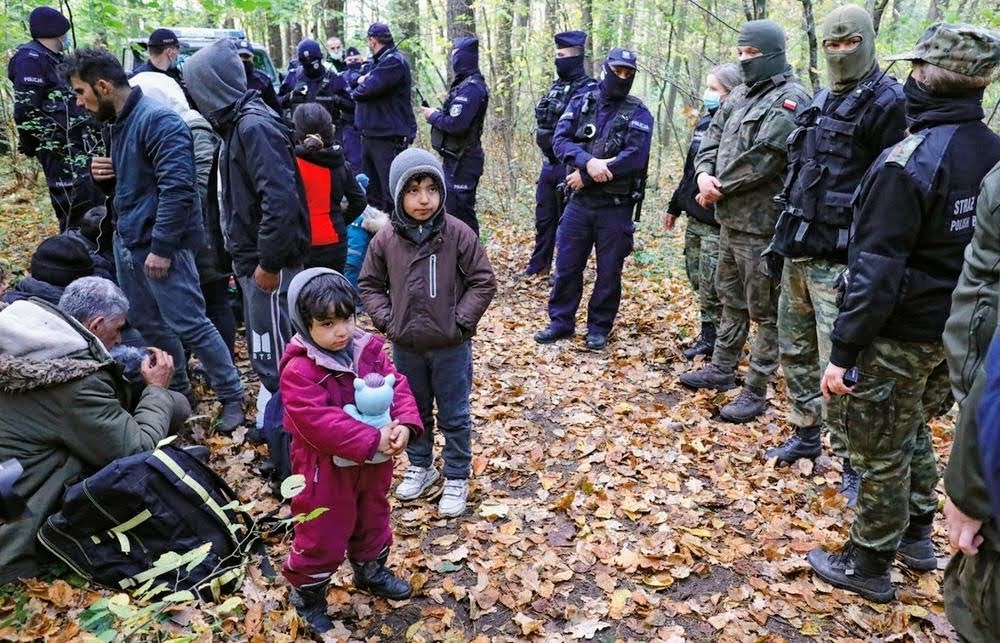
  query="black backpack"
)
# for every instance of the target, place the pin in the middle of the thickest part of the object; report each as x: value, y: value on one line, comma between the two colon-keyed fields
x: 279, y: 444
x: 161, y: 517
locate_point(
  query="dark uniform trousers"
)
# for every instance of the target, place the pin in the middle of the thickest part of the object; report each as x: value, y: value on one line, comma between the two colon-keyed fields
x: 462, y: 178
x: 377, y: 156
x: 547, y: 211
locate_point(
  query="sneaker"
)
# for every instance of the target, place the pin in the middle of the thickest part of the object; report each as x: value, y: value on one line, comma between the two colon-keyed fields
x: 453, y: 498
x: 416, y: 482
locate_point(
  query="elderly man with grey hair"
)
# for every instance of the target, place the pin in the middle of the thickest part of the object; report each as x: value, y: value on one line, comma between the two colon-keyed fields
x: 67, y: 410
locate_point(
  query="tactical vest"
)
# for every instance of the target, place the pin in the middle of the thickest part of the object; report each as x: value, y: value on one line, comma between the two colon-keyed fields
x: 551, y: 107
x: 608, y: 143
x: 825, y: 164
x: 454, y: 146
x: 321, y: 92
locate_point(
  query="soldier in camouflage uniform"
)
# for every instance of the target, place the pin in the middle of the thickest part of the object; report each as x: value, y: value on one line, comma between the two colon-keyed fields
x: 739, y: 168
x: 914, y: 215
x: 972, y: 581
x: 847, y: 126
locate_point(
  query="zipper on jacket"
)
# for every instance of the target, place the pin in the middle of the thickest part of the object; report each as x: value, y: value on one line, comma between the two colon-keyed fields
x: 432, y: 282
x: 316, y: 474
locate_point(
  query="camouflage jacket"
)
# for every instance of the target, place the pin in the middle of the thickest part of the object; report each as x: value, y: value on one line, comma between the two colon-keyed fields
x: 744, y: 148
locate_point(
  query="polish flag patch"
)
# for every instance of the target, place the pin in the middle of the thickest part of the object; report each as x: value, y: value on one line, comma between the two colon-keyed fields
x: 790, y: 105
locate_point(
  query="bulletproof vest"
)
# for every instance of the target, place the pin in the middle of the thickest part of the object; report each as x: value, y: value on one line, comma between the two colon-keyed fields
x: 551, y: 107
x: 609, y: 142
x: 454, y: 146
x: 317, y: 92
x: 825, y: 164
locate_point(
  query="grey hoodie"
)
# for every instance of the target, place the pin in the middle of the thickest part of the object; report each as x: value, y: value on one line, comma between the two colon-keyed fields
x: 215, y: 77
x: 408, y: 163
x: 345, y: 356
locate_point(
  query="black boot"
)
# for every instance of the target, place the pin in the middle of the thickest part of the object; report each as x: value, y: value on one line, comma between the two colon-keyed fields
x: 375, y: 578
x: 857, y: 569
x: 710, y: 376
x: 850, y: 483
x: 705, y: 344
x: 804, y: 443
x: 916, y: 550
x: 310, y: 603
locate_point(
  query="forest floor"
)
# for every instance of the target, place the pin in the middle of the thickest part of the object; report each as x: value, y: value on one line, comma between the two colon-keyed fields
x: 608, y: 502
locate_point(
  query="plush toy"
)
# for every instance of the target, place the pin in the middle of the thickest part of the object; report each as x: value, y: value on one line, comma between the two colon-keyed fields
x: 372, y: 399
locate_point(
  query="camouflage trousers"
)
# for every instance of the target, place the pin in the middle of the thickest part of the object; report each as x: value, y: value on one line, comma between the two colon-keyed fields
x: 972, y: 592
x: 807, y: 309
x: 701, y: 257
x: 747, y: 294
x: 888, y: 439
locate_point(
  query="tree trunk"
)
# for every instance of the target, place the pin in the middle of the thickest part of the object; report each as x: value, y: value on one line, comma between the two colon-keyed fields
x: 877, y: 8
x: 461, y: 19
x: 286, y: 45
x: 274, y: 43
x: 587, y: 19
x: 674, y: 60
x: 333, y: 18
x: 936, y: 10
x: 810, y: 23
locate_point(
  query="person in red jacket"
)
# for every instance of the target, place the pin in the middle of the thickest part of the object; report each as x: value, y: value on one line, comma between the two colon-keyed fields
x: 333, y: 451
x: 328, y: 178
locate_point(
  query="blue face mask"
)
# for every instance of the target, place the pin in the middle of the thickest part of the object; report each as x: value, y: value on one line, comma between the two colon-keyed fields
x: 711, y: 99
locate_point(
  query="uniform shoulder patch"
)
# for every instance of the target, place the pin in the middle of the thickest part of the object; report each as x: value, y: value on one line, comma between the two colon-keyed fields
x: 639, y: 125
x: 903, y: 150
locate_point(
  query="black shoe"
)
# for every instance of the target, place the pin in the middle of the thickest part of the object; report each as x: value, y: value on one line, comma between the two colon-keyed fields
x: 710, y: 376
x: 856, y: 569
x: 748, y: 405
x: 804, y: 443
x: 197, y: 451
x: 375, y: 578
x: 232, y: 416
x: 705, y: 345
x: 310, y: 603
x: 596, y: 342
x: 916, y: 550
x: 850, y: 484
x: 550, y: 335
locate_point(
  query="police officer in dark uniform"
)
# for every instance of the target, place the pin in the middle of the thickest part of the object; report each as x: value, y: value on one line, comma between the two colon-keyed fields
x: 572, y: 80
x: 846, y: 127
x: 604, y: 135
x: 164, y: 50
x: 310, y: 82
x: 347, y: 80
x: 256, y: 79
x: 457, y: 130
x: 384, y: 113
x: 50, y: 125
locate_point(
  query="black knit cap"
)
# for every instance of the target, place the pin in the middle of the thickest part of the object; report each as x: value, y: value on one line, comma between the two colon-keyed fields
x: 60, y: 260
x: 46, y: 22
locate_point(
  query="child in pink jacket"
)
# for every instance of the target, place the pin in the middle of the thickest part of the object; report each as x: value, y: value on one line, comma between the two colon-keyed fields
x: 318, y: 371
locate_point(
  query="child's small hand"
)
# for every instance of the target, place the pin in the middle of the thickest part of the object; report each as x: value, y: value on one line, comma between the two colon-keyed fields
x: 385, y: 439
x: 399, y: 438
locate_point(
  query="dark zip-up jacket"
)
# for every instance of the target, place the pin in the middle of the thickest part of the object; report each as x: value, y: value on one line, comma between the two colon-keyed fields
x: 382, y: 103
x: 682, y: 199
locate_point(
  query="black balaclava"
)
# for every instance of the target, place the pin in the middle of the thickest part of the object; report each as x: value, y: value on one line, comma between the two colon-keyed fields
x: 570, y: 67
x: 767, y: 36
x: 465, y: 57
x: 613, y: 87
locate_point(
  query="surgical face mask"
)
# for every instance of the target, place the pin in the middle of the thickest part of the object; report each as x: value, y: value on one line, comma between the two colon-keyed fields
x: 175, y: 62
x: 66, y: 42
x: 711, y: 98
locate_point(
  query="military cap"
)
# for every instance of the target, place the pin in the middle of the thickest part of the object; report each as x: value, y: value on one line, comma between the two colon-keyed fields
x: 621, y: 57
x: 379, y: 30
x: 571, y: 39
x: 46, y: 22
x: 963, y: 49
x: 243, y: 47
x: 163, y: 38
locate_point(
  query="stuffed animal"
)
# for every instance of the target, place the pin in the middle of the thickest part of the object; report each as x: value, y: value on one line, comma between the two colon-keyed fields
x: 372, y: 399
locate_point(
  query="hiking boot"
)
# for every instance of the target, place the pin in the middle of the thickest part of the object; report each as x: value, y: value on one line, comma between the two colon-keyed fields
x: 850, y: 484
x: 310, y: 603
x: 803, y: 444
x: 710, y: 376
x: 704, y: 345
x: 596, y: 342
x: 453, y: 498
x: 550, y: 335
x: 916, y: 550
x: 232, y: 416
x: 416, y: 482
x: 749, y: 404
x: 856, y: 569
x: 375, y: 578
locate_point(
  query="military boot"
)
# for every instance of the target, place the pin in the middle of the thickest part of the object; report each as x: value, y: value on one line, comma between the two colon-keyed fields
x: 857, y: 569
x: 749, y: 404
x: 710, y: 376
x: 705, y: 344
x: 310, y: 603
x: 375, y: 578
x: 850, y: 483
x: 916, y: 550
x: 804, y: 443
